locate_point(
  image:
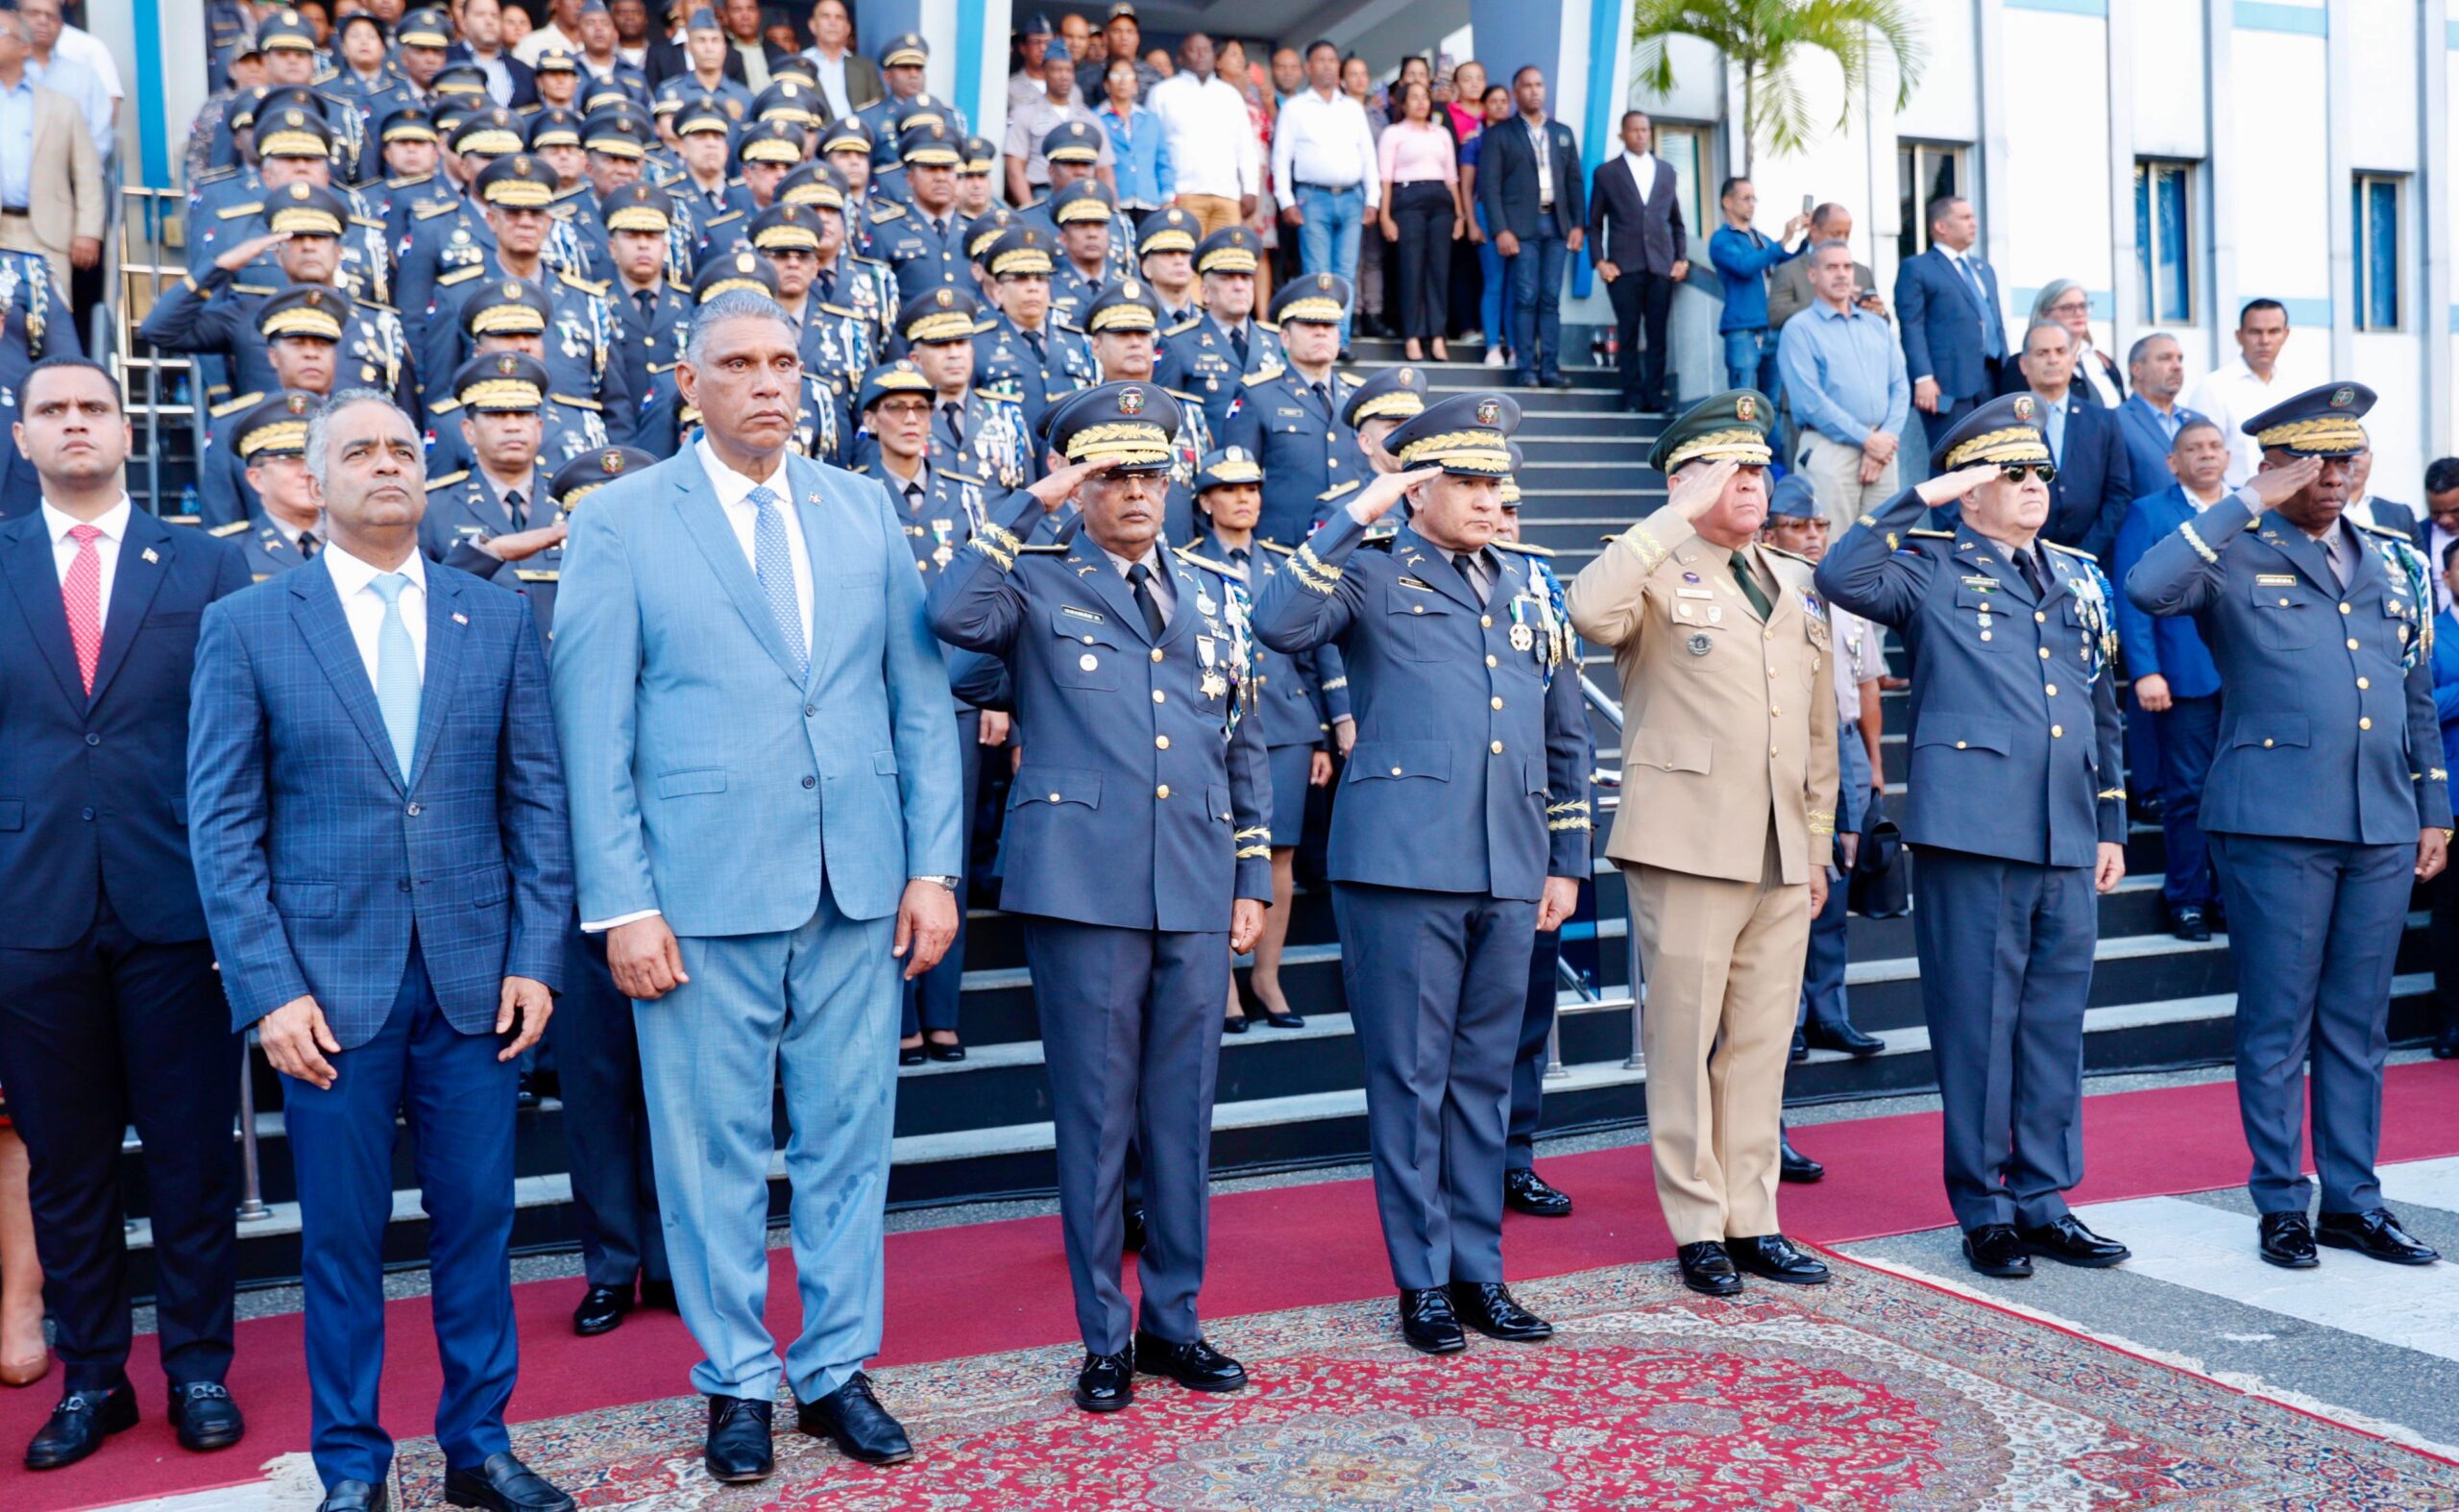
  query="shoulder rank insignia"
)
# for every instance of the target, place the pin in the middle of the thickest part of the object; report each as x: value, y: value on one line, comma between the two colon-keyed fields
x: 233, y: 528
x: 231, y: 213
x: 1932, y: 535
x: 2068, y: 551
x: 1265, y: 376
x: 461, y: 275
x: 1526, y: 549
x: 1337, y: 490
x: 1277, y: 549
x: 231, y: 406
x: 446, y: 480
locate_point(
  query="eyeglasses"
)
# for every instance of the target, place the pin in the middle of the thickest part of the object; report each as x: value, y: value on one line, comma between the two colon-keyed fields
x: 2014, y: 472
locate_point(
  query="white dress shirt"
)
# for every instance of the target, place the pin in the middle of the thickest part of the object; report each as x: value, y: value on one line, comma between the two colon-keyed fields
x: 88, y: 49
x: 1643, y: 166
x: 364, y: 608
x: 550, y: 37
x: 832, y: 81
x: 1212, y: 140
x: 734, y: 497
x: 2230, y: 396
x: 114, y: 524
x: 1325, y: 143
x: 1542, y: 148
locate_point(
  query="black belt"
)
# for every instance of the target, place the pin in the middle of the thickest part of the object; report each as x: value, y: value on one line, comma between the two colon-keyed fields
x: 1327, y: 188
x: 8, y: 209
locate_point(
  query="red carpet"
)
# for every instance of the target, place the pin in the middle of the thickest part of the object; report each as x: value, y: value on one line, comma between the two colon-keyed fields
x: 1003, y: 1286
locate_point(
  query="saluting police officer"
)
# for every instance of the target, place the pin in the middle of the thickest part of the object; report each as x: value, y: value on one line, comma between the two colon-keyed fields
x: 1120, y: 324
x: 1026, y: 356
x: 940, y: 510
x: 1301, y: 700
x: 512, y: 316
x: 669, y: 418
x: 1722, y: 650
x: 2017, y: 811
x: 494, y: 519
x: 1462, y: 830
x: 1138, y: 755
x: 1291, y: 417
x: 272, y: 444
x: 1223, y: 346
x: 2326, y: 805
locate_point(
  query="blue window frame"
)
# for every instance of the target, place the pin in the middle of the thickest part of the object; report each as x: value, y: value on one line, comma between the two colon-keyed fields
x: 2376, y: 225
x: 2164, y: 241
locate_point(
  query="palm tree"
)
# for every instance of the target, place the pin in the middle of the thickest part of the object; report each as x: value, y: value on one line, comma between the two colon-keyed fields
x: 1765, y: 38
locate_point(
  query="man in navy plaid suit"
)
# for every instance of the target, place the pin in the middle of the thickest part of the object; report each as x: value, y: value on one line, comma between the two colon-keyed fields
x: 378, y: 820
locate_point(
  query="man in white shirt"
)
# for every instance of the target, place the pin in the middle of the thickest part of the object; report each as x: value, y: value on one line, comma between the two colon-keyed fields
x: 51, y: 67
x: 561, y: 33
x: 1322, y: 159
x: 1211, y: 140
x: 2237, y: 391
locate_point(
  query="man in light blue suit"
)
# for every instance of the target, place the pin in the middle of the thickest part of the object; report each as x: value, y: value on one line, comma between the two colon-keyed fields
x: 765, y: 784
x: 378, y: 826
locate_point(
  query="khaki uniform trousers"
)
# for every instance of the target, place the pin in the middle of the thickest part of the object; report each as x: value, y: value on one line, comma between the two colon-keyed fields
x: 1724, y: 976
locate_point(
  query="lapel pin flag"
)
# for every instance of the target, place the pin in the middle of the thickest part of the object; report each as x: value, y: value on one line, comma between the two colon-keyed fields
x: 150, y: 556
x: 459, y: 617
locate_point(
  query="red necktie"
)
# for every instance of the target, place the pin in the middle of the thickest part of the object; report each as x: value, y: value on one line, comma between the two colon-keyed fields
x: 82, y: 593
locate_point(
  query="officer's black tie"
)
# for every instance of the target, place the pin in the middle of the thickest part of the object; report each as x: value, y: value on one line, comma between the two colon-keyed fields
x: 516, y: 509
x: 2027, y: 564
x: 824, y: 285
x: 307, y: 543
x: 1140, y: 577
x: 1238, y: 344
x: 1033, y: 339
x: 913, y: 496
x: 955, y: 413
x: 646, y: 300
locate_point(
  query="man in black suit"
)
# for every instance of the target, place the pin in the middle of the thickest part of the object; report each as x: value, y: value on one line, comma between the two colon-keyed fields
x: 1642, y: 252
x: 1535, y: 207
x: 110, y: 1013
x: 2094, y: 482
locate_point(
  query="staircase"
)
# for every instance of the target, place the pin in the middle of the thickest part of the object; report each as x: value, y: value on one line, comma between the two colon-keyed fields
x: 980, y: 1128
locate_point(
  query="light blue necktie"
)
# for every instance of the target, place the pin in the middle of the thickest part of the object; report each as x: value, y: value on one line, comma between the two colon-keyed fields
x: 774, y: 561
x: 397, y: 671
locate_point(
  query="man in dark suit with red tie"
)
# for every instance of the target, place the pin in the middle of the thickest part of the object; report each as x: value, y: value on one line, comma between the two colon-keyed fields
x: 108, y: 1009
x: 1642, y: 251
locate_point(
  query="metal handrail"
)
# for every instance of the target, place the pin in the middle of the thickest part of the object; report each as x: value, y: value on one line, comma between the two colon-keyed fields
x: 1603, y: 703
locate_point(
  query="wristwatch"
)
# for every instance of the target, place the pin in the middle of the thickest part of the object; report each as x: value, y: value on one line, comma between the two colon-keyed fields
x: 949, y: 883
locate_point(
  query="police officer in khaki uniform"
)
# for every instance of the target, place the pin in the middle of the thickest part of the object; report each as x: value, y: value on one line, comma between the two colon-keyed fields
x: 1722, y: 650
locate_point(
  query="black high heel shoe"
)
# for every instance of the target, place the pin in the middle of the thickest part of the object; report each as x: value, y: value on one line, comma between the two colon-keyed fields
x: 1236, y: 1026
x: 910, y: 1054
x: 952, y: 1050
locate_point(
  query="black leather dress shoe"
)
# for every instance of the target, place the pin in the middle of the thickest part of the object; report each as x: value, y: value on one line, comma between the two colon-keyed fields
x: 1196, y: 1365
x: 2287, y: 1240
x: 739, y: 1447
x: 659, y: 1295
x: 1771, y: 1257
x: 2374, y: 1232
x: 1489, y: 1308
x: 1106, y: 1382
x: 1794, y: 1166
x: 503, y: 1483
x: 1131, y: 1225
x: 1996, y: 1249
x: 78, y: 1425
x: 2188, y: 923
x: 1525, y: 1191
x: 204, y: 1417
x: 1428, y: 1323
x: 1707, y: 1269
x: 354, y: 1496
x: 1842, y: 1037
x: 600, y: 1310
x: 1800, y: 1051
x: 1558, y: 380
x: 861, y: 1426
x: 2068, y: 1243
x: 524, y: 1095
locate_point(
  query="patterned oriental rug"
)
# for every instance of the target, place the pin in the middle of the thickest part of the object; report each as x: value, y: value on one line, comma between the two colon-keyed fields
x: 1875, y: 1392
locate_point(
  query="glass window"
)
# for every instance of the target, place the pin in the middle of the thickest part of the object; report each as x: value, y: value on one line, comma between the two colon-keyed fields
x: 2376, y: 225
x: 1923, y: 172
x: 1686, y: 149
x: 2164, y: 242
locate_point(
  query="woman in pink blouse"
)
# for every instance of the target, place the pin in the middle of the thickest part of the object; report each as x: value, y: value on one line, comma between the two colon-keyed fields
x: 1422, y: 214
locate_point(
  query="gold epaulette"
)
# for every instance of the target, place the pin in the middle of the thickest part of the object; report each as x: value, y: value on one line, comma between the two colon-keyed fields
x: 884, y: 211
x: 1182, y: 397
x: 1045, y: 548
x: 1525, y: 549
x: 233, y: 528
x: 1337, y: 490
x: 656, y: 367
x: 446, y: 480
x: 1265, y: 325
x: 368, y: 221
x: 837, y: 309
x: 444, y: 406
x: 960, y: 477
x: 1277, y: 549
x: 1933, y: 535
x: 1352, y: 379
x: 1266, y: 375
x: 231, y: 213
x: 435, y: 207
x: 576, y: 404
x: 231, y: 406
x: 575, y: 281
x: 1184, y: 325
x: 1222, y: 568
x: 462, y: 276
x: 1776, y: 550
x: 2384, y: 532
x: 409, y: 181
x: 2068, y: 551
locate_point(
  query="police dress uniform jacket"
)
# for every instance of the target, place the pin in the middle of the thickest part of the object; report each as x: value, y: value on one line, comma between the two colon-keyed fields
x: 582, y: 337
x: 34, y: 324
x: 2327, y: 729
x: 650, y: 340
x: 995, y: 445
x: 569, y: 427
x: 217, y: 313
x: 396, y: 200
x: 464, y: 509
x: 1006, y: 363
x: 230, y: 211
x: 262, y: 545
x: 1140, y: 752
x: 924, y: 257
x: 449, y: 238
x: 2014, y: 727
x: 1298, y: 697
x: 867, y: 287
x: 1311, y: 458
x: 222, y: 493
x: 1198, y: 357
x: 1463, y: 778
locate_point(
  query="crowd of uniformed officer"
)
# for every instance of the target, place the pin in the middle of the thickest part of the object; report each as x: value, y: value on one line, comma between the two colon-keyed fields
x: 1191, y: 574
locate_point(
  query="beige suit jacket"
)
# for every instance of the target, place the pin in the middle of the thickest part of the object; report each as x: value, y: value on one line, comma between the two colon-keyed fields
x: 64, y: 192
x: 1727, y: 719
